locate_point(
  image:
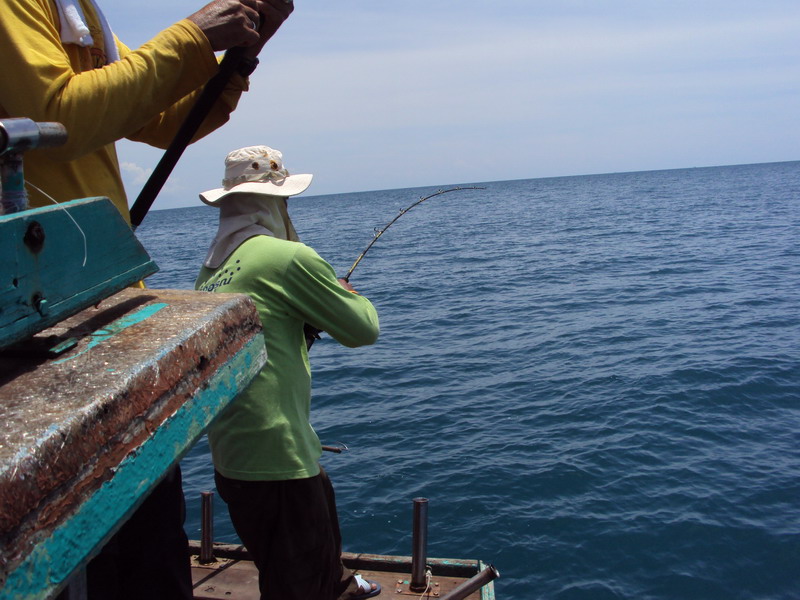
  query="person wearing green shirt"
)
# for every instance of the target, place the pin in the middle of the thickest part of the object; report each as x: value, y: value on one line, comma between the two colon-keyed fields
x: 265, y: 452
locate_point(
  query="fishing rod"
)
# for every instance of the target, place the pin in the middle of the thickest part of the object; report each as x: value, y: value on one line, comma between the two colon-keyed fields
x: 312, y: 333
x: 231, y: 63
x: 380, y: 232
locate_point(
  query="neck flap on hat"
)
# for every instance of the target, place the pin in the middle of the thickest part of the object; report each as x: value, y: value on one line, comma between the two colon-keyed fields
x: 243, y: 216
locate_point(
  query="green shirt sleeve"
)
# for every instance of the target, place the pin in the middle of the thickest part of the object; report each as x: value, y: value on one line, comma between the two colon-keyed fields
x: 319, y: 299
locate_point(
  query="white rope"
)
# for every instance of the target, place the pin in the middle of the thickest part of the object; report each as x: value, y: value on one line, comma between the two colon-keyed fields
x: 428, y: 576
x: 49, y: 197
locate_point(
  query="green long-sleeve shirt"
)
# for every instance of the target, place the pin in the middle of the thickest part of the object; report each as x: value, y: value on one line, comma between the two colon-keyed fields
x: 266, y: 434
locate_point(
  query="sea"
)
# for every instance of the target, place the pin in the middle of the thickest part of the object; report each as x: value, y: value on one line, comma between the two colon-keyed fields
x: 594, y: 380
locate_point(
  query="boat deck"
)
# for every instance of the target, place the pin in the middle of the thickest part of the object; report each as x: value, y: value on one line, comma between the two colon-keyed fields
x: 234, y: 577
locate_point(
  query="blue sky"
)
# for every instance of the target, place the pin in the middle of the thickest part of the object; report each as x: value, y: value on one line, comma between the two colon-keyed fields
x: 376, y: 95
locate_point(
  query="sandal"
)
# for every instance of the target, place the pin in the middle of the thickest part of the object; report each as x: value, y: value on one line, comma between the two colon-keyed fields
x: 364, y: 589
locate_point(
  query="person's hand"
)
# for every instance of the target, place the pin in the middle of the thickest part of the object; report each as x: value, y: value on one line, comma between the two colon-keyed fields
x: 273, y: 13
x: 346, y: 285
x: 249, y: 23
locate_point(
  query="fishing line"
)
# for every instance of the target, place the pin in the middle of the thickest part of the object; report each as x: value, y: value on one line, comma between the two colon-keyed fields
x: 66, y: 212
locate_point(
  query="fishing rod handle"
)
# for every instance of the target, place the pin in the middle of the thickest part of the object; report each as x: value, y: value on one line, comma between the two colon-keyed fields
x: 208, y: 97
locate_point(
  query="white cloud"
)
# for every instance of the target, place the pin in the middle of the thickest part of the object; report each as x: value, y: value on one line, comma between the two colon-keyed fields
x: 134, y: 173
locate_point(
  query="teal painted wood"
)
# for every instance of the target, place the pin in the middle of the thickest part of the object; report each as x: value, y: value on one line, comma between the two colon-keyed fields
x: 119, y: 325
x: 49, y: 567
x: 51, y: 271
x: 487, y: 591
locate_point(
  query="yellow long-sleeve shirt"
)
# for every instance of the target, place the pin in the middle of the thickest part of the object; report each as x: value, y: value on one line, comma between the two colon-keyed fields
x: 144, y: 96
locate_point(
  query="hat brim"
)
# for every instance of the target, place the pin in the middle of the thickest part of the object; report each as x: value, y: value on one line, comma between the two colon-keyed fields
x: 288, y: 186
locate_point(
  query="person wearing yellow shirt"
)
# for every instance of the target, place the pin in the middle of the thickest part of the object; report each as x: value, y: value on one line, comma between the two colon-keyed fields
x: 61, y: 62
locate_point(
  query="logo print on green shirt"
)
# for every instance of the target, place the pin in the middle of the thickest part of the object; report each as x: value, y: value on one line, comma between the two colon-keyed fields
x: 221, y: 278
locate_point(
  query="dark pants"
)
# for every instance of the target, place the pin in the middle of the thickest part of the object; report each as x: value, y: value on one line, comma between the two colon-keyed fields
x: 149, y: 556
x: 291, y: 530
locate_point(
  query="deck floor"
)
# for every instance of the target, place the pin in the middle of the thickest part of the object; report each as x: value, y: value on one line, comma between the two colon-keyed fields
x: 232, y: 579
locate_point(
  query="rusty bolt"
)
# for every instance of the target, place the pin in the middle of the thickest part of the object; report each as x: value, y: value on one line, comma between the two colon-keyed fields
x: 34, y: 237
x: 39, y: 303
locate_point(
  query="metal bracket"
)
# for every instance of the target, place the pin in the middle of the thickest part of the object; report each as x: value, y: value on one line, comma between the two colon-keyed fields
x: 403, y: 588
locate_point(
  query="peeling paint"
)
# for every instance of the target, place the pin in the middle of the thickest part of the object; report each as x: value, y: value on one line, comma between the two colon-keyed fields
x: 101, y: 335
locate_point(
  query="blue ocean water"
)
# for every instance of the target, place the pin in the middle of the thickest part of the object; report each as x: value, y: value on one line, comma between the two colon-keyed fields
x: 595, y: 380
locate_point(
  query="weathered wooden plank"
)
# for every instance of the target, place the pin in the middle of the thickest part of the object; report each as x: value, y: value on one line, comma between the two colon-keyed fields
x: 89, y: 434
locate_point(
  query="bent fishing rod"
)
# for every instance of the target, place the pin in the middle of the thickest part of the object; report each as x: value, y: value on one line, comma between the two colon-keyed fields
x: 312, y: 333
x: 380, y: 232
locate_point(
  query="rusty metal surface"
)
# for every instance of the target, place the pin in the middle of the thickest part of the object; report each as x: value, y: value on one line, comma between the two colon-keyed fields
x: 68, y: 422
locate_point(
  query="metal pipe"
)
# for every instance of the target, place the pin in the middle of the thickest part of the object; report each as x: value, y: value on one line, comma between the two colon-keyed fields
x: 13, y: 197
x: 17, y: 136
x: 471, y: 585
x: 419, y: 546
x: 206, y: 528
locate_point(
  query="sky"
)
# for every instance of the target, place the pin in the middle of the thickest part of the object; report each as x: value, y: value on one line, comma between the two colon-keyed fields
x: 372, y: 95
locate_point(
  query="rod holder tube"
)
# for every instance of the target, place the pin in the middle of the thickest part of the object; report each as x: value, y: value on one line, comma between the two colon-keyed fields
x: 13, y: 197
x: 206, y: 528
x: 419, y: 546
x: 473, y: 584
x: 17, y: 136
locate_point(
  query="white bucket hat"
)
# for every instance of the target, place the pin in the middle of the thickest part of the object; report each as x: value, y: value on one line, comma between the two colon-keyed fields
x: 257, y: 170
